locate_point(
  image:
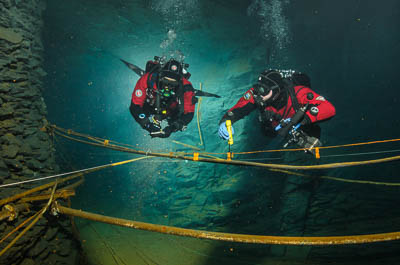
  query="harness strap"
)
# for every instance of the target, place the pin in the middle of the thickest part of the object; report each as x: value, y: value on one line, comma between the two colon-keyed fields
x: 289, y: 85
x: 290, y: 88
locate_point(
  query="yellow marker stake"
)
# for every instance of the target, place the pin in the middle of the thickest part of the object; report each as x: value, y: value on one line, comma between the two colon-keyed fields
x: 228, y: 124
x: 229, y: 127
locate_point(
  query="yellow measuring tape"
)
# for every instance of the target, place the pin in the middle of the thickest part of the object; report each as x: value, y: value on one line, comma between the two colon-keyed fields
x: 228, y: 124
x: 229, y: 127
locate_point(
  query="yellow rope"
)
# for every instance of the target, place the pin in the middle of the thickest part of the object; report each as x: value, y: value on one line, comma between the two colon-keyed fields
x: 31, y: 224
x: 321, y: 147
x: 127, y: 161
x: 362, y: 181
x: 198, y: 116
x: 337, y: 179
x: 237, y: 162
x: 100, y: 140
x: 186, y: 145
x: 230, y: 237
x: 19, y: 226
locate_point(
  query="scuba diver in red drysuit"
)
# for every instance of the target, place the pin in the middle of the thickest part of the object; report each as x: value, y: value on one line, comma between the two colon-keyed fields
x: 163, y: 93
x: 287, y: 108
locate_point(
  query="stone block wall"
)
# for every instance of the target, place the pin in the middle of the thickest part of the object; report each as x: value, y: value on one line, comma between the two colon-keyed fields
x: 26, y: 147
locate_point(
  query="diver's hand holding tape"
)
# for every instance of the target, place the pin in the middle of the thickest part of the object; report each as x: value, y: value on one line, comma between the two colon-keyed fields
x: 166, y: 132
x: 162, y: 133
x: 150, y: 124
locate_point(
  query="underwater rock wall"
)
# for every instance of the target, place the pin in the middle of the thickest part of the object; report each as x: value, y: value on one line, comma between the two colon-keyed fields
x: 26, y: 148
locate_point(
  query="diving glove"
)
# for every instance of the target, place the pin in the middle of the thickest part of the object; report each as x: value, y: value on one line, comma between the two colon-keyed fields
x: 223, y: 131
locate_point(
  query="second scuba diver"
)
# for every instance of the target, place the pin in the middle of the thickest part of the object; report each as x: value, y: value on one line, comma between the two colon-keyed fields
x: 287, y: 108
x: 163, y: 93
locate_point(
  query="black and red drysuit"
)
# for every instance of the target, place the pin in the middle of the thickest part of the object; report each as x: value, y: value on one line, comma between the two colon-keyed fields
x: 272, y: 114
x: 178, y: 110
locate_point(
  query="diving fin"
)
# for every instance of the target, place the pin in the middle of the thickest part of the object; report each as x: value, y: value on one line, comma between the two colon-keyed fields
x: 200, y: 93
x: 134, y: 68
